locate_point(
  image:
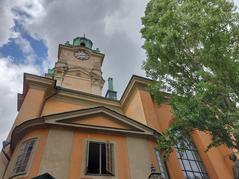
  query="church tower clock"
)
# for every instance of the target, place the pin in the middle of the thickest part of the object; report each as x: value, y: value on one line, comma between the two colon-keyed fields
x: 79, y: 66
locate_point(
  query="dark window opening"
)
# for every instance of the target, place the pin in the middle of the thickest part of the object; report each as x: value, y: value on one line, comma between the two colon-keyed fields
x: 82, y: 44
x: 100, y: 156
x: 94, y: 158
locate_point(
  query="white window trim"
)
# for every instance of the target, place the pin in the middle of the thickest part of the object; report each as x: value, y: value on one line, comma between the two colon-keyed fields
x: 87, y: 157
x: 29, y: 163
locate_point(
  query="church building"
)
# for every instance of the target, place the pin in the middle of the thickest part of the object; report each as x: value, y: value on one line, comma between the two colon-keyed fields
x: 66, y: 128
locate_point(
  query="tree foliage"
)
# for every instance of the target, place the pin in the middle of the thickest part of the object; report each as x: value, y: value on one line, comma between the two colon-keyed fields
x: 192, y: 51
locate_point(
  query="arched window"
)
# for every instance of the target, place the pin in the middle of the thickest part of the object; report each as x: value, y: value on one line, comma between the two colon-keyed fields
x: 23, y: 156
x: 191, y: 163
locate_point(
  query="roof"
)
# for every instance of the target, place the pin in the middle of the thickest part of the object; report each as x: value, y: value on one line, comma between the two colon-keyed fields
x: 51, y: 87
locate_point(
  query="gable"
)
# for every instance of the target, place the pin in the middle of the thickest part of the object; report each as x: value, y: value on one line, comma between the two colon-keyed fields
x: 101, y: 120
x: 97, y: 119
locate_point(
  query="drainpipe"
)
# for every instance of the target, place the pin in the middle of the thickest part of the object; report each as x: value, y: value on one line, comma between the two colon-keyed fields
x: 44, y: 102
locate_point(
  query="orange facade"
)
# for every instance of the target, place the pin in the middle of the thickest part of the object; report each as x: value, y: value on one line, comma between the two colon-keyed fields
x: 65, y: 122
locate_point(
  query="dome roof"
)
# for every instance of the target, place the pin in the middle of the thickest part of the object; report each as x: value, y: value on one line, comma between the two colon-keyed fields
x: 82, y: 41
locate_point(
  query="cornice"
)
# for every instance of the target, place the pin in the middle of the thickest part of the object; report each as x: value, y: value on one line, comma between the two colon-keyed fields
x: 134, y: 81
x: 87, y: 97
x: 138, y: 81
x: 73, y: 48
x: 61, y: 119
x: 30, y: 79
x: 34, y: 81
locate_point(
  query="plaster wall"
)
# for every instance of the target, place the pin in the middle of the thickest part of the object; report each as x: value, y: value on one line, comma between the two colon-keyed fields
x: 134, y: 108
x: 101, y: 120
x: 67, y: 55
x: 35, y: 158
x: 77, y: 83
x: 149, y: 110
x: 58, y: 105
x: 79, y: 74
x: 78, y: 155
x: 139, y: 159
x: 164, y: 115
x: 56, y: 157
x: 96, y: 88
x: 63, y: 104
x: 2, y: 165
x: 214, y: 159
x: 32, y: 104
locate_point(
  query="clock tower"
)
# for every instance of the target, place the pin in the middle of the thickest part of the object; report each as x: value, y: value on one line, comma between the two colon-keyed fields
x: 79, y: 66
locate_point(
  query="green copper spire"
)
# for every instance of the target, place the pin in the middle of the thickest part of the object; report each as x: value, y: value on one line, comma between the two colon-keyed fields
x: 110, y: 84
x: 111, y: 94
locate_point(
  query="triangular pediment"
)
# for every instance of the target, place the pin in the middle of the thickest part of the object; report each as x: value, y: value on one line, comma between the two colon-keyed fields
x: 99, y: 118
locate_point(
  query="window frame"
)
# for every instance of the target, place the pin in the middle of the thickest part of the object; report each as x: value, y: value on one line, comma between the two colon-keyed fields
x: 112, y: 156
x: 163, y: 168
x: 20, y: 151
x: 192, y: 158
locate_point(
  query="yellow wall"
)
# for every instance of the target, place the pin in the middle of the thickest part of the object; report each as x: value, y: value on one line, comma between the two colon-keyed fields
x: 62, y: 153
x: 138, y: 106
x: 78, y: 160
x: 58, y: 104
x: 56, y: 155
x: 2, y: 165
x: 82, y: 75
x: 33, y: 165
x: 216, y: 160
x: 134, y: 108
x: 138, y: 157
x: 32, y: 104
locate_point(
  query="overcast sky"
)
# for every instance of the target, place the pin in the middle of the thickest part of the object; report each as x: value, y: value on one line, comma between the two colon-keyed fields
x: 30, y: 31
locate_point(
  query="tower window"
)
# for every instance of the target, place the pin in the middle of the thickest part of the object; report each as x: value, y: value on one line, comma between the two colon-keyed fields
x: 24, y: 156
x: 82, y: 44
x: 100, y: 158
x: 191, y: 163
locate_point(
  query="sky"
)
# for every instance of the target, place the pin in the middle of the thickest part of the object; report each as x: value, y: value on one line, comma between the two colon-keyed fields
x: 30, y: 31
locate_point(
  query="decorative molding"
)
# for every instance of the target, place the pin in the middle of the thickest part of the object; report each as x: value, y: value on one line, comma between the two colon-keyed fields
x: 64, y: 119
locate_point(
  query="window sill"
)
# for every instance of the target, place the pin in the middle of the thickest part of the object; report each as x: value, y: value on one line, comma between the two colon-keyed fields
x: 18, y: 175
x: 95, y: 174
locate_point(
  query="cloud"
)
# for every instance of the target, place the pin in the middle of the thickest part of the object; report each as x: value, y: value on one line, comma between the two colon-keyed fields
x: 26, y: 49
x: 7, y: 23
x: 10, y: 84
x: 11, y: 80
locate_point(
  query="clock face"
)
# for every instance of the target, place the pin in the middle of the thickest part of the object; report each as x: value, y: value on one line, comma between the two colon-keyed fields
x: 82, y: 55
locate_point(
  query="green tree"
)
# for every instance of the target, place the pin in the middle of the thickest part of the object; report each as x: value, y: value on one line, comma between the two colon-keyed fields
x: 192, y: 51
